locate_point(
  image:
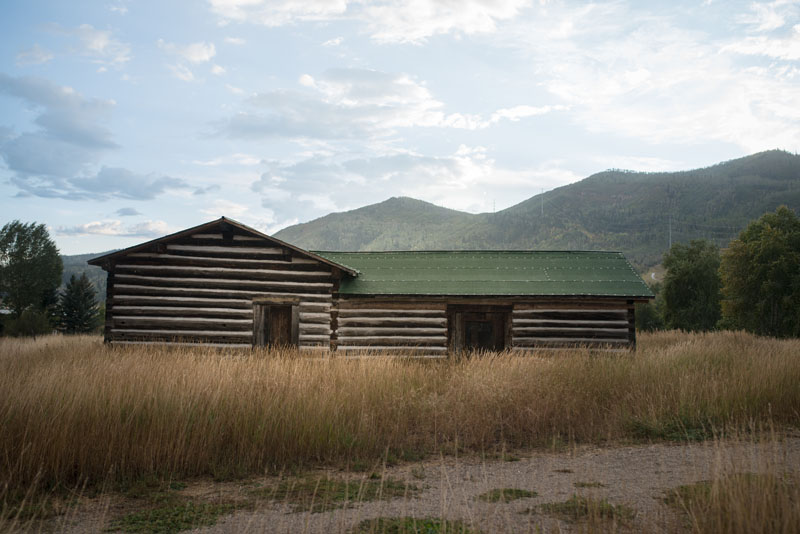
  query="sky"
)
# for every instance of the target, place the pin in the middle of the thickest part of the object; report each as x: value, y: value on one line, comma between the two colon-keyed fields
x: 125, y: 120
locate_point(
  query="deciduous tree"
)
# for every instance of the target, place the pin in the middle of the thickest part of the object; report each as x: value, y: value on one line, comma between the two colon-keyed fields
x: 761, y: 276
x: 30, y: 267
x: 692, y: 286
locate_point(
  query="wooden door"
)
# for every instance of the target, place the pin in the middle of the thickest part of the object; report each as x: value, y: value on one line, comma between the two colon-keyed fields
x: 274, y: 325
x: 473, y: 328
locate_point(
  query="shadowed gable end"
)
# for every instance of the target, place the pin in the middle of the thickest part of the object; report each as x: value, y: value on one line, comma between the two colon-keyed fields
x: 220, y: 283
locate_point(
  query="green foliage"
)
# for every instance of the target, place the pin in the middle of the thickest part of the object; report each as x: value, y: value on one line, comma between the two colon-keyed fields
x: 692, y: 286
x: 649, y: 315
x: 761, y: 276
x: 631, y: 212
x: 173, y: 518
x: 30, y: 267
x: 78, y: 307
x: 324, y: 494
x: 76, y: 265
x: 32, y: 322
x: 506, y: 495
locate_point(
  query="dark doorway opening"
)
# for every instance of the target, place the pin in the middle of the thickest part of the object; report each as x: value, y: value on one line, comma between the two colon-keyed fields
x: 478, y: 328
x: 274, y: 325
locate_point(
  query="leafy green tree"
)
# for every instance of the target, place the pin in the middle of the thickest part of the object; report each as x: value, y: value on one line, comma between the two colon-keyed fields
x: 30, y: 267
x: 648, y: 314
x: 78, y: 306
x: 761, y: 276
x: 692, y: 286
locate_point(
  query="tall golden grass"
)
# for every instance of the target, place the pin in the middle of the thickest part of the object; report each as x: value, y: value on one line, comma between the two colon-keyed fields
x: 73, y: 411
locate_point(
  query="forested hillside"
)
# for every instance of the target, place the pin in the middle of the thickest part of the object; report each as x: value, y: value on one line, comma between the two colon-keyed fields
x: 76, y: 265
x: 632, y: 212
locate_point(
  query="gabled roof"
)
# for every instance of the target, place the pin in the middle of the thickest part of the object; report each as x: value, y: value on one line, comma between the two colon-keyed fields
x: 490, y: 273
x: 101, y: 260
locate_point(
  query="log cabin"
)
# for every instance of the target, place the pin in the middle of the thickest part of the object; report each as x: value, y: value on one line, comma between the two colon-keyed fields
x: 225, y: 284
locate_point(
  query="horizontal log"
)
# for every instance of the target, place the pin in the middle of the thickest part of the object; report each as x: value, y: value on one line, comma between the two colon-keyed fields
x: 394, y: 340
x: 222, y: 272
x: 233, y: 250
x: 158, y: 300
x: 314, y: 337
x: 152, y: 258
x: 571, y: 302
x: 516, y: 323
x: 623, y: 334
x: 370, y: 303
x: 183, y: 333
x: 235, y: 237
x: 568, y: 310
x: 182, y: 324
x: 174, y: 320
x: 315, y: 307
x: 219, y: 282
x: 372, y: 331
x: 569, y: 330
x: 364, y: 312
x: 573, y: 316
x: 180, y: 311
x: 306, y: 328
x: 132, y: 289
x: 391, y: 321
x: 315, y: 317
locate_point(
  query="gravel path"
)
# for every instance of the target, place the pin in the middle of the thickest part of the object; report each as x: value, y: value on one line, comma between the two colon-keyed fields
x: 635, y: 476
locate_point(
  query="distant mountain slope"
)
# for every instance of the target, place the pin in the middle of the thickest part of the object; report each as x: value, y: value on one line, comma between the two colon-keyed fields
x: 400, y: 223
x: 613, y: 210
x: 76, y: 264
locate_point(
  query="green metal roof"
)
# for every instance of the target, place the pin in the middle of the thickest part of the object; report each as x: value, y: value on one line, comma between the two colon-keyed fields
x: 489, y: 273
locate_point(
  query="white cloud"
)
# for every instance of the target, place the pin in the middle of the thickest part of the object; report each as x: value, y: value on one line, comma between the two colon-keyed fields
x: 333, y: 42
x: 646, y: 78
x: 413, y: 21
x: 200, y: 52
x: 783, y: 48
x: 352, y: 103
x: 770, y: 15
x: 467, y: 180
x: 35, y: 55
x: 182, y: 72
x: 233, y: 89
x: 226, y: 208
x: 98, y: 45
x: 238, y: 41
x: 115, y: 227
x: 233, y: 159
x: 277, y: 13
x: 193, y: 53
x: 390, y: 21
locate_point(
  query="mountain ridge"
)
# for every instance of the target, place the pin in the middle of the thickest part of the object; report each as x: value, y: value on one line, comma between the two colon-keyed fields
x: 632, y: 212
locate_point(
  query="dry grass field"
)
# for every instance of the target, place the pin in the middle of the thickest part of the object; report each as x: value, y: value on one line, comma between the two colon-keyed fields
x: 77, y: 414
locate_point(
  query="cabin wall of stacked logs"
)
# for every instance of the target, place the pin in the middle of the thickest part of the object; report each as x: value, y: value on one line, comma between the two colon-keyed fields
x: 426, y: 325
x: 608, y: 323
x: 200, y: 289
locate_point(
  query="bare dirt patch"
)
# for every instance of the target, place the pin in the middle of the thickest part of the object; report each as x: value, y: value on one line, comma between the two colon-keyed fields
x: 633, y: 479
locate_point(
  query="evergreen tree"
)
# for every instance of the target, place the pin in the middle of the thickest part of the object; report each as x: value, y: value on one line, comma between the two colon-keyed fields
x: 79, y: 309
x: 761, y: 276
x: 692, y: 286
